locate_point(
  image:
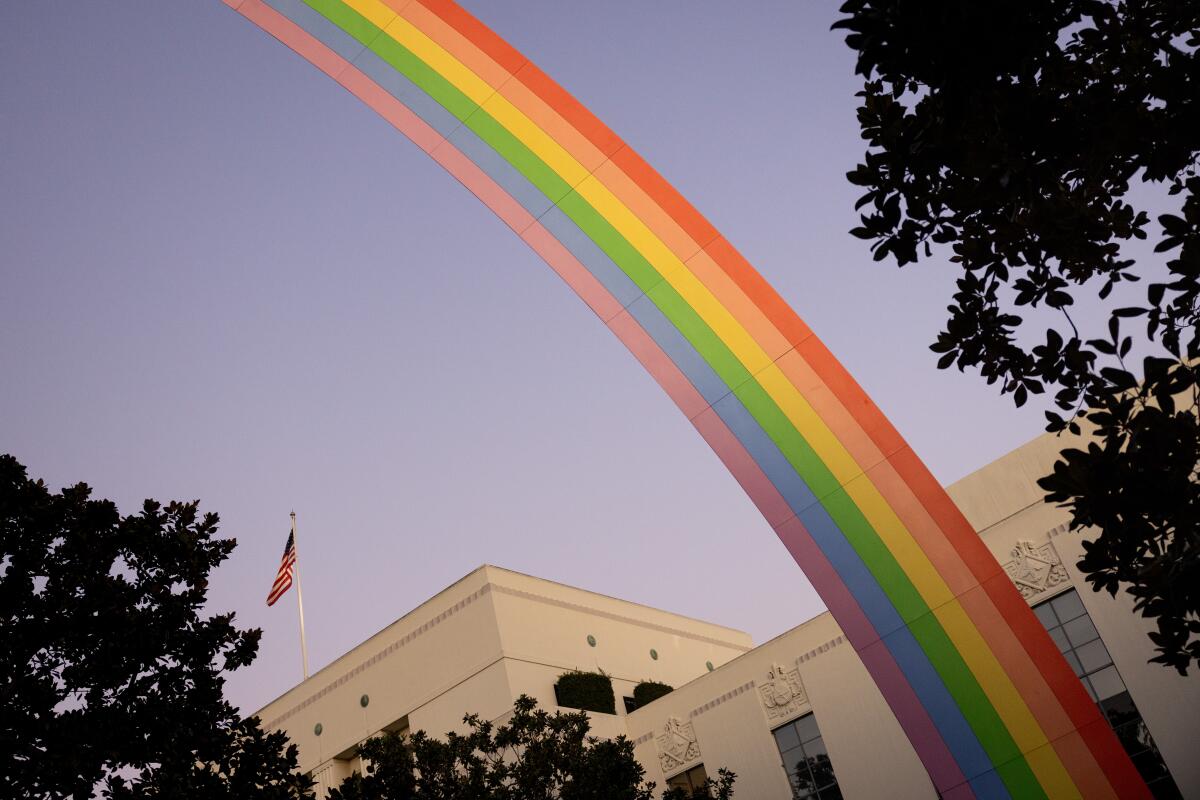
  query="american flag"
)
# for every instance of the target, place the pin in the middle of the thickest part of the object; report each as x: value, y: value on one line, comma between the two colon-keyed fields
x: 283, y: 578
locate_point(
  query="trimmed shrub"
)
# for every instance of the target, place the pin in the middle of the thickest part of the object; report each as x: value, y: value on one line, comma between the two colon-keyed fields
x: 587, y: 691
x: 649, y: 691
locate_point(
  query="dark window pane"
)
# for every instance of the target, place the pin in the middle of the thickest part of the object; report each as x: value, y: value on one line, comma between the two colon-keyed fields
x: 1081, y: 631
x: 1165, y: 789
x: 786, y: 737
x: 1093, y: 656
x: 818, y: 763
x: 1046, y: 615
x: 804, y: 778
x: 831, y: 793
x: 1132, y: 737
x: 1150, y: 764
x: 807, y: 763
x: 1119, y: 709
x: 806, y: 726
x: 1068, y: 606
x: 1107, y: 683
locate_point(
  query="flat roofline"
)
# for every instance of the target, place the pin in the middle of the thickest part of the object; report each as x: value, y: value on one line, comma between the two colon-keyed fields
x: 382, y: 630
x: 620, y: 600
x: 483, y: 568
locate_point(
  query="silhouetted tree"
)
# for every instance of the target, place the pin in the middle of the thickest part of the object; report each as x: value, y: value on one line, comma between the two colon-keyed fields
x: 1013, y: 133
x: 534, y: 755
x: 111, y: 679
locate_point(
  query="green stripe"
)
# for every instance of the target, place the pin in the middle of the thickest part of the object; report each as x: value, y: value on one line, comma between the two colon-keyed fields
x: 516, y: 153
x: 981, y: 715
x: 430, y: 80
x: 347, y: 19
x: 972, y: 701
x: 601, y: 231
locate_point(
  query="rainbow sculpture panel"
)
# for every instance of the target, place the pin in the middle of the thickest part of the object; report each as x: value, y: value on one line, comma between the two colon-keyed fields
x: 980, y: 689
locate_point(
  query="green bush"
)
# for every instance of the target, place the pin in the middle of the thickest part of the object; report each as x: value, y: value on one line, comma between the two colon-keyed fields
x: 649, y: 691
x: 587, y: 691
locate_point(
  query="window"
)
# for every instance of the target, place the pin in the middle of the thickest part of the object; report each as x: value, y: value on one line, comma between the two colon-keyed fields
x: 806, y: 761
x: 691, y: 781
x: 1072, y: 630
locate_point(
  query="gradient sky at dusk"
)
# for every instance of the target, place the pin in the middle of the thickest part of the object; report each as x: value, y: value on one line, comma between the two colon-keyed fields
x: 224, y: 278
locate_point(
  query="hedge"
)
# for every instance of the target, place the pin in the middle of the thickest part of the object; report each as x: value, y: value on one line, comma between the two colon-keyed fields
x: 587, y: 691
x: 649, y: 691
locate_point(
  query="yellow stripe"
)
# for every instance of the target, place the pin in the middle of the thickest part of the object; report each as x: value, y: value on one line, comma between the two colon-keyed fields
x: 541, y: 143
x: 439, y: 59
x: 899, y: 540
x: 1046, y: 764
x: 912, y: 559
x: 375, y: 11
x: 801, y: 414
x: 1007, y: 701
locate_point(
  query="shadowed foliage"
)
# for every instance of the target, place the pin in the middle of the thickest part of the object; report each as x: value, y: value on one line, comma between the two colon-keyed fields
x: 649, y: 691
x: 1017, y: 135
x: 111, y: 679
x: 587, y: 691
x: 534, y: 754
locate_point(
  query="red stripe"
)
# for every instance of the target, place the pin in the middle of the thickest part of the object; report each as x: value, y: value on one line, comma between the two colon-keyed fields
x: 955, y: 527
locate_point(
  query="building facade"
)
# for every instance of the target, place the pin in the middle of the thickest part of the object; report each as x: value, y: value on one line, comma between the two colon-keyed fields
x: 798, y: 716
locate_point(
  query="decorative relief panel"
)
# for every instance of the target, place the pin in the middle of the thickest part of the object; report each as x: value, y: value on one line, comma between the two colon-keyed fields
x: 782, y: 693
x: 1035, y: 568
x: 677, y: 745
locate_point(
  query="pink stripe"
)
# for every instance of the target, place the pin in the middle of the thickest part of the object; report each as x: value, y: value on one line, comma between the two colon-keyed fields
x: 391, y: 109
x: 570, y: 270
x: 744, y: 469
x: 960, y: 792
x: 293, y: 36
x: 913, y: 719
x: 479, y: 184
x: 917, y: 725
x: 925, y: 738
x: 828, y: 583
x: 657, y: 363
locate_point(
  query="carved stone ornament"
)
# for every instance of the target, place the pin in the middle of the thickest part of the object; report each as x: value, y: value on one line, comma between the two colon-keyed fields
x: 1034, y: 569
x: 676, y: 745
x: 782, y: 693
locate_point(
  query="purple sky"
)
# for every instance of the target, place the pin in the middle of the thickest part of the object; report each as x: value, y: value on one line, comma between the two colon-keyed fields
x: 224, y: 278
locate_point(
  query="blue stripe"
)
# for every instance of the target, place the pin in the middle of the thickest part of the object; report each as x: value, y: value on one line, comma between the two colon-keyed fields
x: 989, y: 785
x: 672, y: 342
x: 319, y: 27
x: 531, y: 198
x: 400, y: 87
x: 912, y: 660
x: 972, y: 759
x: 588, y: 253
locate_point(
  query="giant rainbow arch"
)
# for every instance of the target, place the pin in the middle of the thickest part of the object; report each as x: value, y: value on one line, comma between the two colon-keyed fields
x: 988, y: 703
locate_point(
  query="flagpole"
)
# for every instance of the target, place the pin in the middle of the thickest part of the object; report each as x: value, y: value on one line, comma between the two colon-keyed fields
x: 299, y: 597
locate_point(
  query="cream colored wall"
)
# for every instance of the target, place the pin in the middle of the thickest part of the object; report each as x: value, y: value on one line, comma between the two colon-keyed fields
x: 496, y: 634
x: 476, y: 646
x: 1004, y: 503
x: 407, y: 665
x: 733, y: 729
x: 546, y: 623
x: 1168, y: 701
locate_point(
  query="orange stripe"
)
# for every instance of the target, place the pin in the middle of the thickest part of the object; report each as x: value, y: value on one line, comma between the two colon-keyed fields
x: 932, y: 539
x: 753, y: 286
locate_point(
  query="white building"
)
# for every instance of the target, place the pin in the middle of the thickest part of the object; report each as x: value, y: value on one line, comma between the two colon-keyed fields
x: 799, y: 710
